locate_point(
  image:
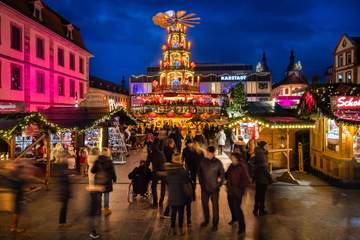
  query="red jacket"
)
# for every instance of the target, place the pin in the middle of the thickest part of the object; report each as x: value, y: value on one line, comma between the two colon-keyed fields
x: 238, y: 177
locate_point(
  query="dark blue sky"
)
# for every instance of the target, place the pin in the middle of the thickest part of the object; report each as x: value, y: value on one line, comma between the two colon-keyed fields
x: 121, y: 35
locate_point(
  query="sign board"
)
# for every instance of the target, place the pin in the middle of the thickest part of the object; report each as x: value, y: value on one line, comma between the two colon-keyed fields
x: 346, y: 102
x: 10, y: 107
x: 94, y: 99
x: 233, y: 78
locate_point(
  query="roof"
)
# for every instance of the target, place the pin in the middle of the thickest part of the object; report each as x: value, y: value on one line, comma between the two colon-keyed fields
x: 355, y: 39
x: 51, y: 20
x: 291, y: 79
x: 83, y: 117
x: 273, y: 116
x: 96, y: 82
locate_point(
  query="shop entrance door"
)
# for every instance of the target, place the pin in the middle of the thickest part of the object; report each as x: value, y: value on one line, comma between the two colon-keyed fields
x: 302, y: 137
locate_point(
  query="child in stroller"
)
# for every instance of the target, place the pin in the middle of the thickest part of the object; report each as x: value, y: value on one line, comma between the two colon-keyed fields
x: 140, y: 178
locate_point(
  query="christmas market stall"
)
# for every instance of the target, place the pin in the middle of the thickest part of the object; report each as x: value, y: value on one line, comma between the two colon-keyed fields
x: 27, y: 136
x: 277, y: 126
x: 89, y: 127
x: 335, y: 140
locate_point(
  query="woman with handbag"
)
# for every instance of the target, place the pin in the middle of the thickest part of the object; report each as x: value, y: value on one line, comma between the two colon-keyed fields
x: 179, y: 194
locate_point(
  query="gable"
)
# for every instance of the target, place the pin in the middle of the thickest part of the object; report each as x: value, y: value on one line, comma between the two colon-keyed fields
x: 344, y: 43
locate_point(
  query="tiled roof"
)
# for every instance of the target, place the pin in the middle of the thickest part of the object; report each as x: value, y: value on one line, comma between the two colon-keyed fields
x: 51, y: 19
x: 96, y: 82
x: 291, y: 79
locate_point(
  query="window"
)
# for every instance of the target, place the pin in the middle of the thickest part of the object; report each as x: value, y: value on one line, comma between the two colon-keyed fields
x: 40, y: 48
x: 348, y: 77
x: 16, y: 38
x: 40, y: 82
x: 15, y: 77
x: 340, y: 60
x: 263, y: 85
x: 81, y: 65
x: 332, y: 135
x: 340, y: 77
x: 72, y: 88
x: 81, y: 90
x: 0, y: 29
x: 37, y: 13
x: 348, y: 58
x: 61, y: 57
x: 286, y: 91
x: 356, y: 144
x: 61, y: 90
x: 72, y: 61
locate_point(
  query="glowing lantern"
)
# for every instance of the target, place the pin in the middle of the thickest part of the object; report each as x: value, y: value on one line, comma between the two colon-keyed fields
x: 171, y: 114
x: 189, y: 45
x: 187, y: 115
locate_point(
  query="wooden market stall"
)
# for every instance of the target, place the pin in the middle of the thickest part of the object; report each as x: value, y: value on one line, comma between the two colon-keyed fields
x: 335, y: 140
x: 275, y: 125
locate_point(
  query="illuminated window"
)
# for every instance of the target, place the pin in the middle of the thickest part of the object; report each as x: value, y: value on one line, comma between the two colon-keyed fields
x: 348, y: 77
x: 61, y: 90
x: 16, y: 38
x: 332, y: 135
x: 340, y: 77
x: 61, y: 57
x: 356, y: 145
x: 72, y: 88
x: 37, y: 13
x: 286, y: 91
x: 40, y: 48
x: 72, y: 61
x: 15, y: 77
x: 81, y: 89
x: 40, y: 82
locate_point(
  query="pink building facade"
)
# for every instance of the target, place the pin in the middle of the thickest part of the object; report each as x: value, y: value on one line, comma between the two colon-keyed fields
x: 43, y: 60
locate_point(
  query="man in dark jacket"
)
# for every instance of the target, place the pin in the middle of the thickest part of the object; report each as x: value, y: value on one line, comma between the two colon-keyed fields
x: 211, y: 177
x: 105, y: 176
x: 261, y: 177
x: 178, y: 138
x: 140, y: 178
x: 238, y: 179
x: 157, y: 160
x: 191, y: 159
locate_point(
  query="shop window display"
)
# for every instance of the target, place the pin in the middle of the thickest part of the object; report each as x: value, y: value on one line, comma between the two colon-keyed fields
x: 356, y: 145
x: 332, y: 136
x: 117, y: 145
x: 93, y: 138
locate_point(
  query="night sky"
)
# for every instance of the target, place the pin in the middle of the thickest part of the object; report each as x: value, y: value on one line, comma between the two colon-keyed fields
x: 121, y: 35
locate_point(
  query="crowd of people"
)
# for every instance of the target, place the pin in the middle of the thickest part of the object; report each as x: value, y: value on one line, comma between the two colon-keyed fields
x: 170, y: 165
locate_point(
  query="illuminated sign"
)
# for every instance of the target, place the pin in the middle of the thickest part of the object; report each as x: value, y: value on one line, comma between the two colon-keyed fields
x: 347, y: 102
x: 8, y: 107
x: 233, y: 78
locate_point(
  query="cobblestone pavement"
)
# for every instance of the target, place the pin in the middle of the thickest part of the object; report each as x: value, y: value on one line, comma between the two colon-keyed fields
x: 311, y: 211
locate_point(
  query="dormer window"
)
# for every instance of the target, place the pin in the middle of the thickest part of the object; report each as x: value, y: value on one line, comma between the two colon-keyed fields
x: 69, y: 31
x: 38, y: 6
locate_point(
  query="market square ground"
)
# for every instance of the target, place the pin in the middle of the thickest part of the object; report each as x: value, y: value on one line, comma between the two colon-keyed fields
x: 312, y: 211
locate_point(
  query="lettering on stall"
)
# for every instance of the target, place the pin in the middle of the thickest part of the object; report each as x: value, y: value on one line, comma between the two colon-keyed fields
x: 348, y: 102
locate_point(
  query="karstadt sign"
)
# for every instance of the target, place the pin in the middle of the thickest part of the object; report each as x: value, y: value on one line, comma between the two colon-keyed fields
x: 233, y: 78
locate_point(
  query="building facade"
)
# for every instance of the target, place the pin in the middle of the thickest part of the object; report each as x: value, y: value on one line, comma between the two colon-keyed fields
x: 347, y: 60
x: 217, y: 79
x: 105, y: 93
x: 288, y: 91
x: 43, y: 59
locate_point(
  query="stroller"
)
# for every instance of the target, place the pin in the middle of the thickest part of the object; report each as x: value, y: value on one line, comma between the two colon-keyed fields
x: 140, y: 178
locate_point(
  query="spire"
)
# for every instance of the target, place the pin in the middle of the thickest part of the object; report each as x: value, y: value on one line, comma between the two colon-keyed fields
x: 292, y: 61
x: 264, y: 63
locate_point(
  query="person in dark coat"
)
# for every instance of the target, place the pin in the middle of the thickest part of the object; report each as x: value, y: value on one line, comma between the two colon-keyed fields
x: 157, y: 160
x: 261, y: 177
x: 178, y: 139
x: 176, y: 179
x: 237, y: 180
x: 191, y: 160
x: 211, y: 177
x: 169, y: 150
x: 61, y: 170
x: 105, y: 176
x: 140, y: 177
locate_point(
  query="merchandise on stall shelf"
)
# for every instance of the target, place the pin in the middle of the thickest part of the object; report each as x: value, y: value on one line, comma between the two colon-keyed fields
x: 117, y: 145
x: 93, y: 138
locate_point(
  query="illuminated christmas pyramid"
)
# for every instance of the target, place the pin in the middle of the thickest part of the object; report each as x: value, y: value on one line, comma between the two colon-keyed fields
x: 176, y: 70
